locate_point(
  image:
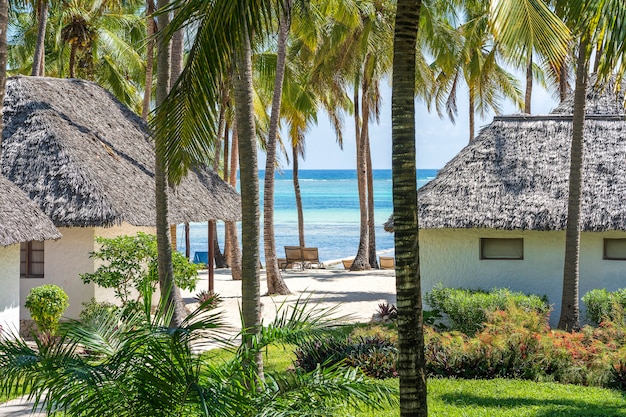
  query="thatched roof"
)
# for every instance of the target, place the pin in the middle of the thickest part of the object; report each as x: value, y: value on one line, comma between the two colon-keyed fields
x: 87, y: 160
x: 20, y: 219
x: 514, y: 175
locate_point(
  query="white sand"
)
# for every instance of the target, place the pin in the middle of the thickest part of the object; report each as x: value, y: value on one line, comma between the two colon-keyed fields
x: 357, y: 293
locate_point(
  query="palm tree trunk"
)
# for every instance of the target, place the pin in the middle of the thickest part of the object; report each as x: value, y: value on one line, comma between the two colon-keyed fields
x: 170, y: 294
x: 569, y: 302
x: 411, y: 361
x: 187, y: 241
x: 373, y: 261
x: 249, y: 184
x: 38, y: 61
x: 529, y: 84
x: 360, y: 262
x: 212, y: 225
x: 275, y: 283
x: 150, y: 29
x: 4, y: 24
x: 471, y: 115
x: 227, y: 179
x: 178, y: 52
x: 73, y: 50
x: 296, y: 188
x: 235, y: 254
x: 563, y: 84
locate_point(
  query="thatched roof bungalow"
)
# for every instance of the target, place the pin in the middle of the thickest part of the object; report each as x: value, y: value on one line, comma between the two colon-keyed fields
x: 495, y: 214
x: 88, y: 162
x: 20, y: 221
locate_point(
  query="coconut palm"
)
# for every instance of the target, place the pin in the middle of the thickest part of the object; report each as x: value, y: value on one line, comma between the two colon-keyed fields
x: 101, y: 41
x: 512, y: 21
x: 275, y: 283
x: 473, y: 57
x: 4, y: 26
x: 598, y: 24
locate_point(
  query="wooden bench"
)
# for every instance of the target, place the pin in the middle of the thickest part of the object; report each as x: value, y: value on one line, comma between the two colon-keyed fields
x: 310, y: 257
x: 293, y: 256
x: 386, y: 262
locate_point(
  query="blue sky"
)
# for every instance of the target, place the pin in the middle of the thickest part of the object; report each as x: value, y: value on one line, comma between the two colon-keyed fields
x: 438, y: 140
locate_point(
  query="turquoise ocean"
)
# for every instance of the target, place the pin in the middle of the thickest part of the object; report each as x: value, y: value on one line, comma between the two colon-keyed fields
x: 331, y: 212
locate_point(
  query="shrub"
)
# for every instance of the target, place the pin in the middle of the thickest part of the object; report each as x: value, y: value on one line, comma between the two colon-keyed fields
x: 466, y: 310
x: 374, y: 355
x: 46, y: 304
x: 602, y: 304
x: 94, y: 309
x: 130, y: 262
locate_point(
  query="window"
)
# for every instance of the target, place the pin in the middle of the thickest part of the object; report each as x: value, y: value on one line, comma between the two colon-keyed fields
x: 615, y: 249
x: 31, y: 259
x: 501, y: 248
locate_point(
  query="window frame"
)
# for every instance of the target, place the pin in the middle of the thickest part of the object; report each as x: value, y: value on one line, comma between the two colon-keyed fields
x: 604, y: 245
x: 482, y: 256
x: 27, y: 248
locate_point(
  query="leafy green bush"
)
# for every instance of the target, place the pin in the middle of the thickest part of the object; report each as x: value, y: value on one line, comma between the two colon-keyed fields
x: 466, y: 310
x: 94, y: 309
x: 602, y: 304
x: 130, y: 262
x: 376, y: 356
x: 46, y: 304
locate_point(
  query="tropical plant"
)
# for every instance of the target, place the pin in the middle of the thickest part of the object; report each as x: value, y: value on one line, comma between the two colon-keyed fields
x: 117, y: 365
x: 46, y: 304
x: 130, y: 263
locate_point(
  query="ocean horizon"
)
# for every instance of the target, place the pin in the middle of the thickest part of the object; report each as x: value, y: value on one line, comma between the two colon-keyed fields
x: 331, y: 212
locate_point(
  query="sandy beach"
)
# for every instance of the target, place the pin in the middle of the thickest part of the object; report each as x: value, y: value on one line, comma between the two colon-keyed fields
x: 357, y: 293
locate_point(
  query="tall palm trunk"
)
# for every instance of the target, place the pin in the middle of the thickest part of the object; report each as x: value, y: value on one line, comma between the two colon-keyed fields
x: 170, y: 294
x: 150, y: 29
x: 529, y: 84
x: 563, y: 84
x: 227, y: 179
x: 296, y: 188
x: 40, y: 54
x: 411, y: 361
x: 4, y: 25
x: 212, y: 225
x: 231, y: 227
x: 360, y: 262
x: 275, y: 283
x: 73, y: 51
x: 472, y: 115
x: 370, y: 206
x: 569, y: 302
x: 249, y: 183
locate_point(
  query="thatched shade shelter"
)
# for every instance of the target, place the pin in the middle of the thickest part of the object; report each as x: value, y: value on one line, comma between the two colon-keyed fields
x: 87, y: 160
x: 495, y: 215
x: 20, y: 219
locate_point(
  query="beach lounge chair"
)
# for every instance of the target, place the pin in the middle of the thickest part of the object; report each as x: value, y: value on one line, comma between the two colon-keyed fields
x: 386, y: 262
x: 347, y: 263
x: 201, y: 258
x: 311, y: 257
x: 293, y: 257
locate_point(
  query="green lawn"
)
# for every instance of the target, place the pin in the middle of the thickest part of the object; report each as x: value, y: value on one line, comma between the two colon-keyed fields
x: 510, y: 398
x: 485, y: 398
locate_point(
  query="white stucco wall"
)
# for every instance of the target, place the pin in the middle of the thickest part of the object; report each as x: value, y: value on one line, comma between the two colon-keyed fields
x: 64, y: 260
x: 106, y: 294
x: 451, y: 257
x: 9, y: 289
x: 67, y: 258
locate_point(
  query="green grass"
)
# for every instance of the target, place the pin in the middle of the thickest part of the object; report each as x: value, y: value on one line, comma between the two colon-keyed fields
x: 512, y: 398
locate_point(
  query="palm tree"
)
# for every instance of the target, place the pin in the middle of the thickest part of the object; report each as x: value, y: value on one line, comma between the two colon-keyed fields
x: 40, y: 53
x: 275, y: 283
x: 411, y: 361
x: 150, y: 31
x: 473, y: 57
x: 4, y: 25
x: 598, y: 24
x: 170, y: 294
